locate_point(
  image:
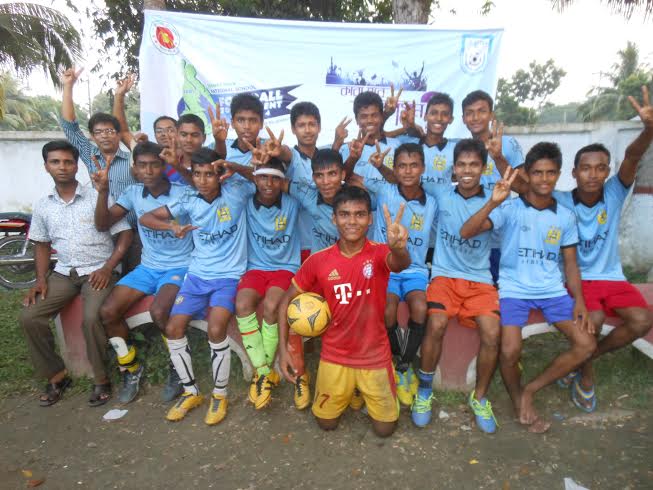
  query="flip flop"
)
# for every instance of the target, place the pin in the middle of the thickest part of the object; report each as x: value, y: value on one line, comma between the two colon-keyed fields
x: 578, y: 394
x: 566, y: 381
x: 54, y: 392
x: 100, y: 395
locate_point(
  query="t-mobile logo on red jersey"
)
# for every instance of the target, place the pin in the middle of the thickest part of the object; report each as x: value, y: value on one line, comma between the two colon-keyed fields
x: 344, y: 293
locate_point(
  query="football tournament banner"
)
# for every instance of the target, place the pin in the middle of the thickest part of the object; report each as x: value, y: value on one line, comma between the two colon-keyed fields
x: 189, y: 62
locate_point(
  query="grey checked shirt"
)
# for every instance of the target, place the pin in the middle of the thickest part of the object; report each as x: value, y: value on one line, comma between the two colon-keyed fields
x: 120, y: 176
x: 70, y: 227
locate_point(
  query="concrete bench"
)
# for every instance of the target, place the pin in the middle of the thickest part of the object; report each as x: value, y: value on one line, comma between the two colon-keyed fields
x: 457, y: 368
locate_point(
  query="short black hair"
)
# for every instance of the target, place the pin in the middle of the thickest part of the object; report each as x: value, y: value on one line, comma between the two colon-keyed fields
x: 274, y: 163
x: 103, y: 117
x: 247, y: 102
x: 475, y: 96
x: 164, y: 118
x: 409, y: 148
x: 365, y: 99
x: 304, y: 109
x: 543, y: 150
x: 191, y: 119
x: 59, y: 145
x: 440, y: 98
x: 325, y: 158
x: 204, y: 156
x: 147, y: 148
x: 470, y: 145
x: 592, y: 148
x: 349, y: 193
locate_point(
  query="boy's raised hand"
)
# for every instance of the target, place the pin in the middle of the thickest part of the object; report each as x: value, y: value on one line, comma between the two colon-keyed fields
x: 407, y: 117
x: 494, y: 142
x: 100, y: 177
x: 645, y: 111
x: 219, y: 126
x: 396, y: 233
x: 501, y: 189
x: 341, y: 129
x: 259, y: 154
x: 273, y: 146
x: 123, y: 86
x: 377, y: 158
x: 392, y: 102
x: 70, y: 76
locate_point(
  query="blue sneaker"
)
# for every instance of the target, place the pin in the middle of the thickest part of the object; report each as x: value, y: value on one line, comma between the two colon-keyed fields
x: 483, y: 412
x: 420, y: 411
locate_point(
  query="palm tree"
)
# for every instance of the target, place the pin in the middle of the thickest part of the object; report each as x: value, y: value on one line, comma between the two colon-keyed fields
x: 625, y: 7
x: 33, y: 36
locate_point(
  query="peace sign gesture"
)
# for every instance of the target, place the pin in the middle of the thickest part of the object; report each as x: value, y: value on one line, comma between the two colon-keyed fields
x: 407, y: 116
x: 494, y: 142
x: 645, y: 111
x: 392, y: 102
x: 170, y: 154
x: 273, y: 146
x: 501, y: 189
x: 341, y: 129
x: 100, y: 177
x: 223, y: 167
x: 70, y: 76
x: 377, y: 158
x: 396, y: 233
x: 219, y: 127
x: 123, y: 86
x: 259, y: 154
x: 356, y: 145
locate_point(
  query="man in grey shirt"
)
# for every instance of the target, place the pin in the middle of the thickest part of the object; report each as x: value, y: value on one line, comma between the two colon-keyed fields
x: 64, y: 220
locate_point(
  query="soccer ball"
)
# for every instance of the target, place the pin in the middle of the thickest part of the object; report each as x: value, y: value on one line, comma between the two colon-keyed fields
x: 309, y: 315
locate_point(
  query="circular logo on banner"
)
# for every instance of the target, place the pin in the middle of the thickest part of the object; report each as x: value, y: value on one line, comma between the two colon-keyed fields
x: 165, y: 37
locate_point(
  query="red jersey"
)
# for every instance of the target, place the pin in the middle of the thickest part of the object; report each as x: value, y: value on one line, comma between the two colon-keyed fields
x: 355, y: 289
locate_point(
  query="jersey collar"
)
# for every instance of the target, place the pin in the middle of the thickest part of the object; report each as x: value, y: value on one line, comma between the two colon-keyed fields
x: 480, y: 193
x: 553, y: 206
x: 166, y: 191
x: 301, y: 153
x: 206, y: 200
x: 383, y: 140
x: 236, y: 147
x: 421, y: 199
x: 258, y: 204
x: 576, y: 197
x: 440, y: 147
x: 320, y: 200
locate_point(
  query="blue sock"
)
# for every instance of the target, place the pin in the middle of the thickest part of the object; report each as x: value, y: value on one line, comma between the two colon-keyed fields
x: 425, y: 387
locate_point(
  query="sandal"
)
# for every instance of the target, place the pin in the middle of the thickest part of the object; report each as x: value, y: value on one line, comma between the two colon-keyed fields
x: 582, y: 397
x: 100, y: 395
x: 566, y: 381
x: 54, y: 392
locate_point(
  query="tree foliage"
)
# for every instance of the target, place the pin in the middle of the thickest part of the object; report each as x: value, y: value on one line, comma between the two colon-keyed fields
x: 624, y: 7
x: 103, y: 102
x: 520, y: 99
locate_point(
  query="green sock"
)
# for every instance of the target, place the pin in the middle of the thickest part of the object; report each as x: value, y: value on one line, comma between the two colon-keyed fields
x: 270, y: 340
x: 253, y: 342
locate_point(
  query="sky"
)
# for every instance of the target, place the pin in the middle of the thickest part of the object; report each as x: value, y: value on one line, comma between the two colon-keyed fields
x: 583, y: 41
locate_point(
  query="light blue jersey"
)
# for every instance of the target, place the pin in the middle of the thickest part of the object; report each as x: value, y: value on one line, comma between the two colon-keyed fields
x: 271, y: 235
x: 457, y: 257
x: 513, y: 153
x: 162, y: 250
x: 324, y: 232
x: 418, y: 217
x: 531, y: 243
x: 301, y: 174
x: 438, y: 164
x: 221, y: 237
x: 598, y: 230
x: 236, y: 155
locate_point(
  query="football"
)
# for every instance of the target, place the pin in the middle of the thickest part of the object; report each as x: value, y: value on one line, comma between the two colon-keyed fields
x: 309, y: 315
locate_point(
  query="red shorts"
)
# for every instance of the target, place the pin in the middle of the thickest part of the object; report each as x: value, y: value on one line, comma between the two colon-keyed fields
x: 462, y: 298
x: 608, y: 295
x: 261, y: 281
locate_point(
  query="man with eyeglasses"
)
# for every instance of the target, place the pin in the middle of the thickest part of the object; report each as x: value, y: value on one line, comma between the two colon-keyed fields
x: 103, y: 147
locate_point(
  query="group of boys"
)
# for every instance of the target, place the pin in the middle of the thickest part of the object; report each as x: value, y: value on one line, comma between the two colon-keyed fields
x: 245, y: 226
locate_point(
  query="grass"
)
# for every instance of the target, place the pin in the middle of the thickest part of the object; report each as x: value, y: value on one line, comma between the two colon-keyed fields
x: 635, y: 277
x: 626, y: 372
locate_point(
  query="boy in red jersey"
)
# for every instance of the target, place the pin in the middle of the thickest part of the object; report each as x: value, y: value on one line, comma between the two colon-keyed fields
x: 352, y: 276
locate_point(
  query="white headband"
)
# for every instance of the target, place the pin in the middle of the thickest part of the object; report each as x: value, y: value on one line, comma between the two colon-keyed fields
x: 269, y: 171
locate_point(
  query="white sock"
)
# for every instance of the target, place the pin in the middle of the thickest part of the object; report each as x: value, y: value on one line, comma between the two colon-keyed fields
x: 220, y: 366
x: 180, y: 357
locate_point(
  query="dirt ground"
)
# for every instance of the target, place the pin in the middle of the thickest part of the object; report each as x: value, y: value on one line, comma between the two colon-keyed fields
x: 70, y: 446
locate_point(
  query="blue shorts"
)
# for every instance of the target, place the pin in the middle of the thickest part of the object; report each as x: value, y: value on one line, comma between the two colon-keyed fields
x: 196, y: 294
x: 402, y: 284
x: 514, y: 311
x: 149, y: 281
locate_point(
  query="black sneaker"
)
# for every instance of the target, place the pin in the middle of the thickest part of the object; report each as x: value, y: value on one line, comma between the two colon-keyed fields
x: 173, y: 387
x: 130, y: 384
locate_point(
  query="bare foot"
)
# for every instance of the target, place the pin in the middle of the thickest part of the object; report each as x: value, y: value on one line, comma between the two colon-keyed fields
x: 539, y: 426
x: 527, y: 413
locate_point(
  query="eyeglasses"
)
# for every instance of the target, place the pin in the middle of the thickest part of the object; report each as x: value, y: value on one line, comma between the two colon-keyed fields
x: 165, y: 131
x: 108, y: 132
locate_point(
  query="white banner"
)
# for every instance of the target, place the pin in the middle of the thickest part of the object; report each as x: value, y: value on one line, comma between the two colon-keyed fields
x: 191, y: 61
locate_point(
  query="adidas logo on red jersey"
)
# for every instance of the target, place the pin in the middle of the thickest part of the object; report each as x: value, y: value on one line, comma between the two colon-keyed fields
x: 333, y: 275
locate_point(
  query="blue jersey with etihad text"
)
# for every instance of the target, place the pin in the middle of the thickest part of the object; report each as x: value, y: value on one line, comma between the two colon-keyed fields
x: 417, y: 219
x: 598, y: 230
x: 457, y: 257
x: 271, y: 234
x: 162, y: 250
x: 221, y: 236
x: 531, y: 244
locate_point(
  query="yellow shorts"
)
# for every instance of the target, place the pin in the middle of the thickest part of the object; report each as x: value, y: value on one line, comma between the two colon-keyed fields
x: 335, y: 386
